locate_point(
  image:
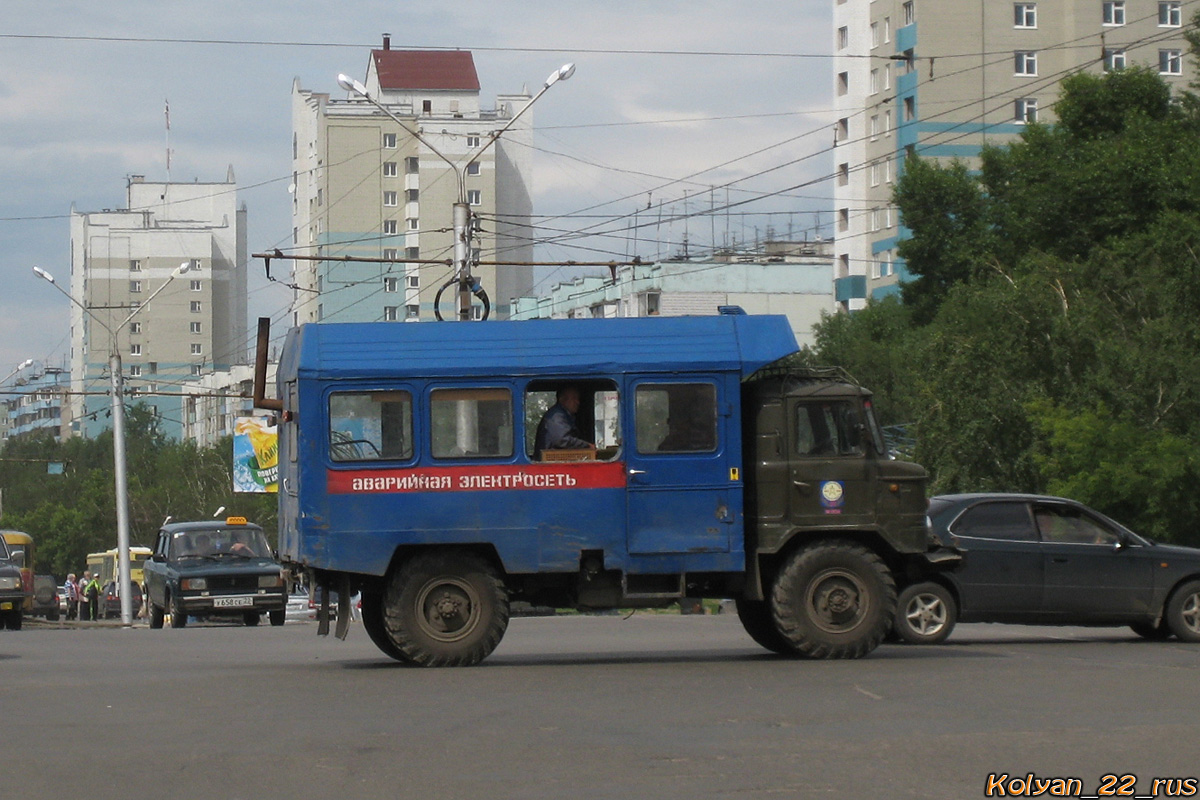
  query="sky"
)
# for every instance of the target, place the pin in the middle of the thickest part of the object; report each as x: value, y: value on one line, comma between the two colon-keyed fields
x: 669, y: 99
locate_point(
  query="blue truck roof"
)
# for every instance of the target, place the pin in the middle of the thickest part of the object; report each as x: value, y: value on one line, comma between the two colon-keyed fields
x: 726, y: 343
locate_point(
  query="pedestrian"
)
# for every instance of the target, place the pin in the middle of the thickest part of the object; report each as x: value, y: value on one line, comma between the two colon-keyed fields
x: 93, y: 596
x: 81, y: 593
x: 72, y: 596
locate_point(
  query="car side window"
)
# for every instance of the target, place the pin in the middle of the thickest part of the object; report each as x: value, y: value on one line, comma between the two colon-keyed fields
x: 1066, y: 525
x: 1009, y: 521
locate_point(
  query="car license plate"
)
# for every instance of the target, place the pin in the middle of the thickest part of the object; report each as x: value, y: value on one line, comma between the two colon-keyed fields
x: 6, y: 606
x: 232, y: 602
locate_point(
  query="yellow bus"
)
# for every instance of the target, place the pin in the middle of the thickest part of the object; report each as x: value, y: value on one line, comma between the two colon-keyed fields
x: 104, y: 564
x: 19, y: 542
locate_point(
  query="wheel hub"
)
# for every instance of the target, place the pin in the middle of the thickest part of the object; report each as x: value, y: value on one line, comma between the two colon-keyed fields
x: 837, y: 601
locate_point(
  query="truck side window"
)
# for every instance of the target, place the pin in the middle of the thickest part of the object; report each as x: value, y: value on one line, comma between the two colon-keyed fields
x: 370, y: 426
x: 598, y: 418
x: 471, y: 423
x: 676, y: 418
x: 829, y: 429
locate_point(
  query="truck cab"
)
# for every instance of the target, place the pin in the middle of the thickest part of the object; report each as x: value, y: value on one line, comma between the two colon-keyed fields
x: 410, y: 470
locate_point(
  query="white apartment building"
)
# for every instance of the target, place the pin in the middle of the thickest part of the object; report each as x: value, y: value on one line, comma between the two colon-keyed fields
x: 798, y: 286
x: 214, y: 402
x: 941, y: 78
x: 194, y: 325
x: 364, y: 187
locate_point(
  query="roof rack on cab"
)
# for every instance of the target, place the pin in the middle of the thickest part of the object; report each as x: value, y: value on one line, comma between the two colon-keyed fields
x: 793, y: 367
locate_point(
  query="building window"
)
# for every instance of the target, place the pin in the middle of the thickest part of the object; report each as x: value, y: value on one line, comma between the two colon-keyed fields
x: 473, y: 140
x: 135, y: 327
x: 412, y: 311
x: 152, y: 368
x: 843, y: 219
x: 474, y: 197
x: 1024, y: 15
x: 412, y: 195
x: 197, y: 286
x: 389, y: 199
x: 412, y: 224
x: 196, y: 370
x: 910, y: 12
x: 135, y: 287
x: 843, y: 37
x: 1025, y: 62
x: 874, y: 173
x: 389, y: 226
x: 412, y: 165
x: 1170, y: 15
x: 389, y: 253
x: 389, y: 141
x: 197, y: 349
x: 887, y: 77
x: 391, y: 284
x: 135, y: 265
x: 414, y: 282
x: 1026, y: 110
x: 389, y: 169
x: 426, y: 106
x: 843, y: 129
x: 473, y: 168
x: 196, y: 307
x: 887, y: 123
x: 874, y: 34
x: 887, y: 29
x: 1114, y: 58
x: 135, y: 370
x: 1170, y: 62
x: 910, y: 108
x: 843, y: 173
x: 874, y: 82
x: 412, y: 253
x: 135, y: 349
x: 843, y: 82
x: 389, y: 313
x: 194, y: 327
x: 1114, y: 12
x: 887, y: 170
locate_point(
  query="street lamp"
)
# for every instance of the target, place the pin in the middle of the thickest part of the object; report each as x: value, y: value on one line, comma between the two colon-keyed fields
x: 118, y: 414
x: 462, y: 209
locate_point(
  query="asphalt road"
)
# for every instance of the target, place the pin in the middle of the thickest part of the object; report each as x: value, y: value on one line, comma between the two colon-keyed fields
x: 653, y: 706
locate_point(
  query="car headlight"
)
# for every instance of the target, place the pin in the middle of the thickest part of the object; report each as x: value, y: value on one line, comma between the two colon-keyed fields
x: 270, y: 581
x: 10, y: 583
x: 193, y: 584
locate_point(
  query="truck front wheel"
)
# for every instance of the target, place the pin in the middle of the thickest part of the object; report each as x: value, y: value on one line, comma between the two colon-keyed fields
x: 445, y: 609
x: 833, y: 600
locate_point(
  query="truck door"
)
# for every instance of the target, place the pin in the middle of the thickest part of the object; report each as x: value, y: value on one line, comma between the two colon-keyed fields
x: 832, y: 477
x: 682, y: 496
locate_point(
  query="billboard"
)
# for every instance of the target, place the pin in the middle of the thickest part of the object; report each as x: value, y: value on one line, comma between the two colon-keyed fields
x: 255, y: 455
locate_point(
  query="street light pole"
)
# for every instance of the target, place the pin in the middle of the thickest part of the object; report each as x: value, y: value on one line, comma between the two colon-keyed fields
x: 118, y: 414
x: 462, y: 208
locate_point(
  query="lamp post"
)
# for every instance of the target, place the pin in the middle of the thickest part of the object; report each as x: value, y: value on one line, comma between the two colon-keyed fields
x: 462, y: 208
x: 118, y: 414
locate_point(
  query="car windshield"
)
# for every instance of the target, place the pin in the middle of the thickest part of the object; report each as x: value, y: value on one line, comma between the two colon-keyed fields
x: 220, y: 543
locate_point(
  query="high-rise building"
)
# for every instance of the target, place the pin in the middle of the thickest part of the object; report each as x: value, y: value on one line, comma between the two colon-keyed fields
x: 196, y: 324
x: 942, y: 78
x: 364, y: 187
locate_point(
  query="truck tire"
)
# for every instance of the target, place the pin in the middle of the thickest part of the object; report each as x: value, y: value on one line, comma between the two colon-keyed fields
x: 372, y: 620
x: 445, y: 609
x: 925, y: 613
x: 157, y: 614
x: 834, y: 599
x: 1183, y: 612
x: 178, y: 615
x: 760, y: 624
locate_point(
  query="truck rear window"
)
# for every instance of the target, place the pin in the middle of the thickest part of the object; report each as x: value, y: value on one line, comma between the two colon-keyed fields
x: 370, y: 426
x: 471, y: 423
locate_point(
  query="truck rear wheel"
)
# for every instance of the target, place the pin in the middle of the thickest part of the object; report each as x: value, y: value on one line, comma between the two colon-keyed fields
x: 444, y: 609
x: 833, y: 600
x: 760, y: 624
x: 372, y: 620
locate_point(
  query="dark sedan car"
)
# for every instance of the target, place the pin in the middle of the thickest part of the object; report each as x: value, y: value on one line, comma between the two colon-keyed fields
x: 1041, y: 560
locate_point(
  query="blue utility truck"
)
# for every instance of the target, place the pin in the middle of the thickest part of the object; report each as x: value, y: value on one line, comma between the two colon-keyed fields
x: 702, y: 465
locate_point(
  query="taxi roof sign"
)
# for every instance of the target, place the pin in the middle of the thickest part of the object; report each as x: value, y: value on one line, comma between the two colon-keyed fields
x: 235, y: 520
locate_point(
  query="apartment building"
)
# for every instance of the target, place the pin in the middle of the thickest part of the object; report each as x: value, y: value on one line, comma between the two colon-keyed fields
x: 942, y: 78
x: 364, y: 187
x: 168, y: 327
x: 34, y: 399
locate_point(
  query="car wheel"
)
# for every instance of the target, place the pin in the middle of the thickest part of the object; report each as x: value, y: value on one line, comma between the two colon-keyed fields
x: 1183, y: 612
x: 834, y: 600
x: 250, y: 618
x: 445, y: 609
x: 277, y: 616
x: 13, y: 621
x: 178, y: 615
x: 156, y: 616
x: 756, y: 618
x: 1148, y: 630
x: 925, y: 614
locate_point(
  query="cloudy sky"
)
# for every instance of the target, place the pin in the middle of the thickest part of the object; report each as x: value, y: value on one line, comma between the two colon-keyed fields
x: 668, y: 98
